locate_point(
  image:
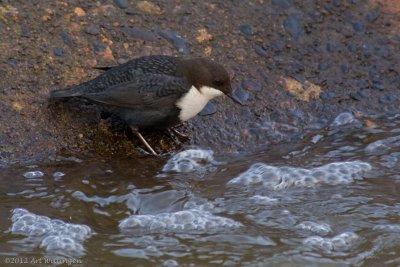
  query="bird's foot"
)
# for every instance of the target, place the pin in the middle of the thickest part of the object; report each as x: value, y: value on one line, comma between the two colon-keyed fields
x: 182, y: 136
x: 141, y: 138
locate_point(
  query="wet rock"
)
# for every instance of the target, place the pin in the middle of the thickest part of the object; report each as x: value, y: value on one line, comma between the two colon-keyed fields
x: 344, y: 69
x: 298, y: 77
x: 57, y: 51
x: 106, y: 10
x: 318, y: 125
x: 293, y: 26
x: 204, y: 36
x: 277, y: 45
x: 261, y: 50
x: 382, y: 146
x: 316, y: 138
x: 365, y: 48
x: 67, y: 39
x: 4, y: 155
x: 176, y: 40
x: 362, y: 84
x: 343, y: 119
x: 378, y: 85
x: 330, y: 47
x: 386, y: 99
x: 323, y: 65
x: 305, y: 92
x: 131, y: 11
x: 282, y: 3
x: 337, y: 3
x: 373, y: 71
x: 246, y: 29
x: 359, y: 95
x: 372, y: 16
x: 358, y: 26
x: 241, y: 95
x: 79, y: 12
x: 251, y: 85
x: 92, y: 29
x: 376, y: 78
x: 121, y: 3
x: 25, y: 31
x: 209, y: 109
x: 382, y: 52
x: 107, y: 53
x: 139, y: 34
x: 149, y: 7
x: 99, y: 47
x: 12, y: 62
x: 297, y: 67
x: 327, y: 95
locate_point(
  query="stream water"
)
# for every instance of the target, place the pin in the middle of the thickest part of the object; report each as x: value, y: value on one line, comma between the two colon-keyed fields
x: 330, y: 199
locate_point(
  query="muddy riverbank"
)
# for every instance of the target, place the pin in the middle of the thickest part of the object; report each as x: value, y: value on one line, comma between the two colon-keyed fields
x: 296, y: 65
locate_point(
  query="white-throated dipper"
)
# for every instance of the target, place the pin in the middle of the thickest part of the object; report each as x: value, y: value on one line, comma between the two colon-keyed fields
x: 155, y: 91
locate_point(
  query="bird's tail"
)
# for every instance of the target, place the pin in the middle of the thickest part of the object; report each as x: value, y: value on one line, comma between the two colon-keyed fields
x: 68, y: 92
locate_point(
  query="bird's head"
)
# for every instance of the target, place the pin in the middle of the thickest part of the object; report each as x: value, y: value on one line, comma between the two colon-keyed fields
x: 207, y: 76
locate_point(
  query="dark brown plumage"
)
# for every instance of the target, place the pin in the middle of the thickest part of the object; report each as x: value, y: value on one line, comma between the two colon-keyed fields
x: 154, y: 91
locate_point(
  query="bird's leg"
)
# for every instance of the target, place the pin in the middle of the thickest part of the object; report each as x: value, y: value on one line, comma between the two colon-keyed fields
x: 140, y: 136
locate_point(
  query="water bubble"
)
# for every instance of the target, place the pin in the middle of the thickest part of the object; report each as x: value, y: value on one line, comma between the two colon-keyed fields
x: 318, y: 228
x: 33, y: 174
x: 53, y: 235
x: 58, y: 174
x: 189, y: 160
x: 279, y: 178
x: 180, y: 221
x: 340, y: 242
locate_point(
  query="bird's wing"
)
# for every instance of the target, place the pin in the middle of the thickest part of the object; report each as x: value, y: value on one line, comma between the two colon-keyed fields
x: 148, y: 91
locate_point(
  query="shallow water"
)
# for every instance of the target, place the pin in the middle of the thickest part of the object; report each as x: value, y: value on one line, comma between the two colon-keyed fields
x: 331, y: 199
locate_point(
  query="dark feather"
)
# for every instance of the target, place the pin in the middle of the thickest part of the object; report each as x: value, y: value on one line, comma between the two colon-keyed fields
x: 145, y: 92
x: 104, y: 68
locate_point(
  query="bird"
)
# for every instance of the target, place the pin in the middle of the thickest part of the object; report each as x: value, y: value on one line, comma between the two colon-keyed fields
x: 154, y: 92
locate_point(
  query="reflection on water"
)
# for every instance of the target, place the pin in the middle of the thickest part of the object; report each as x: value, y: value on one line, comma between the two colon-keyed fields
x: 330, y: 200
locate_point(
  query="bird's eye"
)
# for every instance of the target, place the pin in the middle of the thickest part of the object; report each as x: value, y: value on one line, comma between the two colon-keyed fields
x: 218, y: 82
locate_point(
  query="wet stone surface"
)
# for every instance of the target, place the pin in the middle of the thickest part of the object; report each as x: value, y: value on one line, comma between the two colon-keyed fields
x: 346, y: 52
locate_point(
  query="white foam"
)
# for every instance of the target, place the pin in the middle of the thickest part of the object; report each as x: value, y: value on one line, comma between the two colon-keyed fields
x: 341, y: 242
x: 180, y: 221
x: 314, y: 227
x: 33, y: 174
x: 189, y: 160
x: 58, y: 174
x: 54, y: 235
x: 278, y: 178
x: 395, y: 228
x: 263, y: 200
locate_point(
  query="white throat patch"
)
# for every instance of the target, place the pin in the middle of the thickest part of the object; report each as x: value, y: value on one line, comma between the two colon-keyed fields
x: 195, y: 100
